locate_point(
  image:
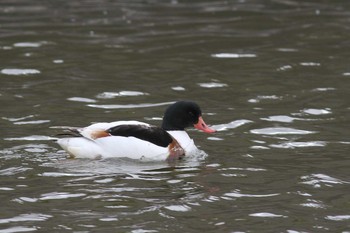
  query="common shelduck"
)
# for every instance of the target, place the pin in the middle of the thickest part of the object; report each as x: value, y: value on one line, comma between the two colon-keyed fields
x: 139, y: 140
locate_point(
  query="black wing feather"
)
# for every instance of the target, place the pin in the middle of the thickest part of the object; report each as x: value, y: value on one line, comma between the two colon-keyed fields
x: 153, y: 134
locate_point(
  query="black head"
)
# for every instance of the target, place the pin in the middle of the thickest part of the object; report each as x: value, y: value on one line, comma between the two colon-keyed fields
x: 181, y: 115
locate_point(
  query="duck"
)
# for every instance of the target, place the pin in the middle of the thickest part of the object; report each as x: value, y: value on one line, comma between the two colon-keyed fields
x: 139, y: 140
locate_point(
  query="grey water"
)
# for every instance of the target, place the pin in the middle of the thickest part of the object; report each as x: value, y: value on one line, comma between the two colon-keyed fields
x: 273, y: 77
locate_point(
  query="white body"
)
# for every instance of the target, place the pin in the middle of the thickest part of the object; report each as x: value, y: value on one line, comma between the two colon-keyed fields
x: 118, y: 146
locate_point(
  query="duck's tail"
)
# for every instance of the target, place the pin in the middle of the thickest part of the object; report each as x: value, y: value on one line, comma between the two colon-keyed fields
x: 67, y: 131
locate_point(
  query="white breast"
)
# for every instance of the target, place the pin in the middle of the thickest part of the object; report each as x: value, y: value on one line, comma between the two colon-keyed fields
x: 184, y: 140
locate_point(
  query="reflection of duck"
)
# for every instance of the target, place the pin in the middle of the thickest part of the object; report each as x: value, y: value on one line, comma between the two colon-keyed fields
x: 138, y: 140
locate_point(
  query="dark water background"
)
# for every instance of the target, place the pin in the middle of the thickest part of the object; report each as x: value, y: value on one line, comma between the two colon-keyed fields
x: 272, y: 76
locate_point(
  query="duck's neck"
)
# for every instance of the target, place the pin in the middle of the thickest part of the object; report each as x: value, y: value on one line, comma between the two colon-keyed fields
x: 168, y: 127
x: 184, y: 140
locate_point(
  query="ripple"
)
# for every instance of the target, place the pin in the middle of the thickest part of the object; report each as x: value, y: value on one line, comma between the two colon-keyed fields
x: 231, y: 125
x: 5, y: 47
x: 6, y: 188
x: 285, y: 67
x: 286, y: 119
x: 178, y: 88
x: 280, y: 118
x: 338, y: 217
x: 234, y: 55
x: 143, y: 231
x: 13, y: 171
x: 29, y: 44
x: 316, y: 180
x: 215, y: 138
x: 310, y: 64
x: 324, y: 89
x: 82, y: 99
x: 58, y: 61
x: 120, y: 106
x: 31, y: 122
x: 19, y: 71
x: 178, y: 208
x: 259, y: 147
x: 18, y: 119
x: 23, y: 147
x: 243, y: 169
x: 279, y: 131
x: 287, y: 50
x: 115, y: 166
x: 291, y: 145
x: 62, y: 174
x: 314, y: 111
x: 26, y: 218
x: 18, y: 229
x: 32, y: 138
x: 111, y: 95
x: 267, y: 215
x: 212, y: 85
x: 238, y: 194
x: 259, y: 98
x: 314, y: 204
x: 60, y: 195
x: 108, y: 219
x: 21, y: 200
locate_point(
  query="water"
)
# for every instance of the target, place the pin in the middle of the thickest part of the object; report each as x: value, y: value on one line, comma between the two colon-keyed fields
x: 271, y: 76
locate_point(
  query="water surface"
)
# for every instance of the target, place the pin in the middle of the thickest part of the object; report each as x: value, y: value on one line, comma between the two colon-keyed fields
x: 271, y: 76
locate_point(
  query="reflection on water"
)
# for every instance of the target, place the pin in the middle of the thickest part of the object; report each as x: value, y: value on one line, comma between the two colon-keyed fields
x: 272, y: 78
